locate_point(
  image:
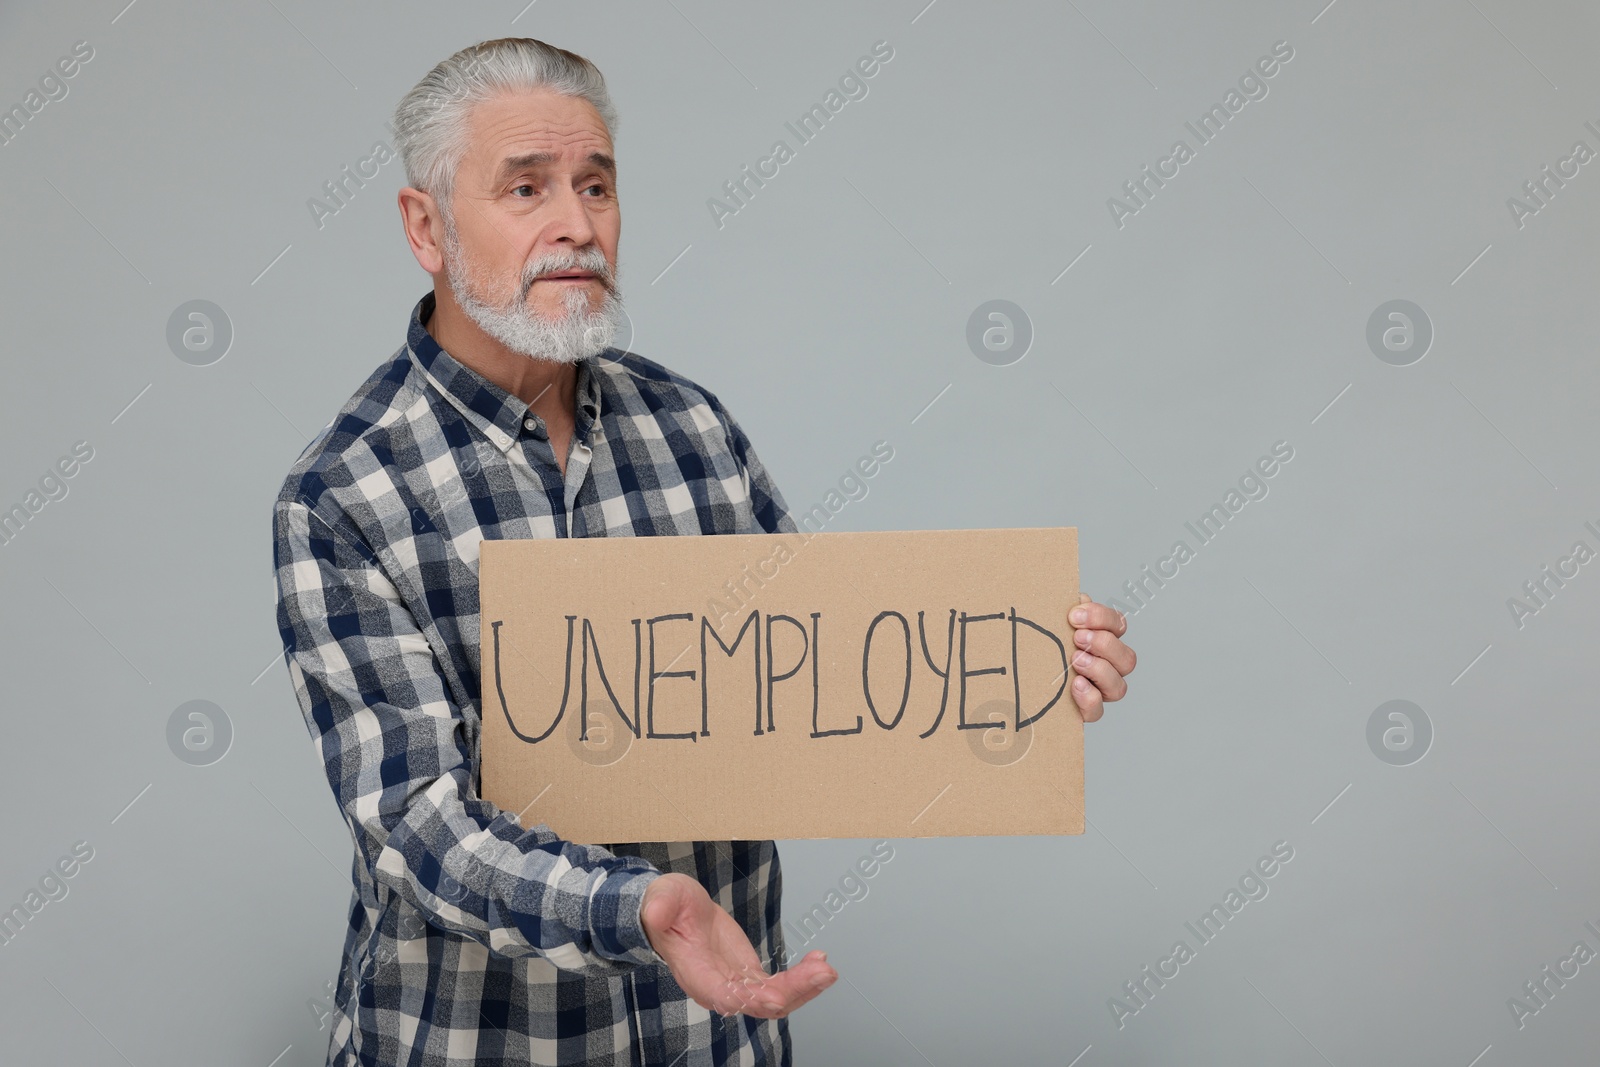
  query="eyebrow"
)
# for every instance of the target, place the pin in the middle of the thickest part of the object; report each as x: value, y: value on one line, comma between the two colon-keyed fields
x: 512, y: 164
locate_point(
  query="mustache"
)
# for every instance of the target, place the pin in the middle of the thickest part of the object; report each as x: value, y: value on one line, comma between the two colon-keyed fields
x: 592, y: 260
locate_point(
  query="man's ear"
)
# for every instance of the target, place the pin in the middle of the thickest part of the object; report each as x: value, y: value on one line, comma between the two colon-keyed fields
x: 424, y: 226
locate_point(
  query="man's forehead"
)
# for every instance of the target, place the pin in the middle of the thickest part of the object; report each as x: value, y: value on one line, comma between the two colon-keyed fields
x: 537, y: 123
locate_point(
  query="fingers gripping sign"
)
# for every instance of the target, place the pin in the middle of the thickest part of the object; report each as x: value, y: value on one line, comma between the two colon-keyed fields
x: 1102, y: 660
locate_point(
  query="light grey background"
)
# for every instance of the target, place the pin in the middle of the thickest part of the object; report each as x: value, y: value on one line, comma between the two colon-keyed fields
x: 1228, y: 314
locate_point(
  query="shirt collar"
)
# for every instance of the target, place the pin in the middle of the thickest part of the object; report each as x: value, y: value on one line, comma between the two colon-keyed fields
x: 497, y: 413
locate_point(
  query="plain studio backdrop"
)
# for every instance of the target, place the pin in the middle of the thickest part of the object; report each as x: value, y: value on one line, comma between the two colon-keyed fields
x: 1158, y: 339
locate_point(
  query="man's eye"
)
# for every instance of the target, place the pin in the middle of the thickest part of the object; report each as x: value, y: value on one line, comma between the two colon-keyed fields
x: 596, y: 189
x: 518, y: 190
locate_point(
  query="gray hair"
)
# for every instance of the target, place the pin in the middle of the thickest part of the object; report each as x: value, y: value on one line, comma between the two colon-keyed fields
x: 430, y: 123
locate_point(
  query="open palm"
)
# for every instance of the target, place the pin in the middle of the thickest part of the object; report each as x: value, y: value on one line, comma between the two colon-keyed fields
x: 712, y: 959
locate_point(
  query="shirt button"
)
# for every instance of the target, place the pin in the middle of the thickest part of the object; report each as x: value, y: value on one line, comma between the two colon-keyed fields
x: 530, y: 424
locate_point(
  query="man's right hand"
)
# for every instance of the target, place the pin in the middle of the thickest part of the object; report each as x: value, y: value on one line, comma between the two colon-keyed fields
x: 712, y: 959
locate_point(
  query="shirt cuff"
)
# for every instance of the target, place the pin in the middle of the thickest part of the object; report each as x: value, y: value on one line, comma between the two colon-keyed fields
x: 614, y: 917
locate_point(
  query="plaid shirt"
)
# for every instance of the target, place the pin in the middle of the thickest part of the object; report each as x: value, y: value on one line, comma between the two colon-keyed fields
x: 472, y: 940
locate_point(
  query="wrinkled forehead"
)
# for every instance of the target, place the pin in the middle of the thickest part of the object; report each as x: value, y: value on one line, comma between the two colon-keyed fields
x: 513, y: 131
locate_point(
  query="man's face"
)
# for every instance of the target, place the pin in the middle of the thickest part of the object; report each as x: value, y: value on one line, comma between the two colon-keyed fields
x: 531, y: 237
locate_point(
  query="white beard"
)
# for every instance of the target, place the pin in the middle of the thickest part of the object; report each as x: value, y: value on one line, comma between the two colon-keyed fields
x: 575, y: 336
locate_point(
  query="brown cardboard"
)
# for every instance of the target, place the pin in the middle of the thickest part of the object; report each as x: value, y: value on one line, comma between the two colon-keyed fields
x: 817, y: 760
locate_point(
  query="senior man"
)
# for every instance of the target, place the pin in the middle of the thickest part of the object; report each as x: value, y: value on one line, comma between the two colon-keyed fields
x: 508, y: 414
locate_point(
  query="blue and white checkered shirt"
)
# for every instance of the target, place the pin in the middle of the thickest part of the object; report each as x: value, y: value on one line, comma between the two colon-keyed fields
x: 472, y: 940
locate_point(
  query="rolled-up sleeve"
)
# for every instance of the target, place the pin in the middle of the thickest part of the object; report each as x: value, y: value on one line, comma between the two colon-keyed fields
x: 394, y: 747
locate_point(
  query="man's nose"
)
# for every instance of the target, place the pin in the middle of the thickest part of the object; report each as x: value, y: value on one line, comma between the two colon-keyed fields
x: 571, y: 220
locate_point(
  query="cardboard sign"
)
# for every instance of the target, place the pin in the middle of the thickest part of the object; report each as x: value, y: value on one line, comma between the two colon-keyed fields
x: 747, y: 687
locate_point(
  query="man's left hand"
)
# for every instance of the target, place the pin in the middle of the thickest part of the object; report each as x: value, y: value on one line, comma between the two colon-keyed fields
x: 1101, y: 660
